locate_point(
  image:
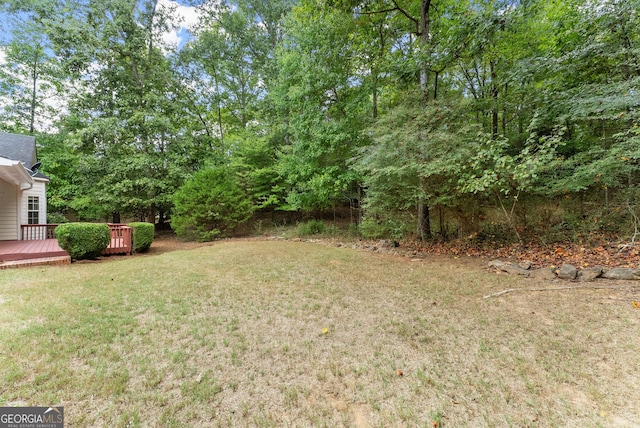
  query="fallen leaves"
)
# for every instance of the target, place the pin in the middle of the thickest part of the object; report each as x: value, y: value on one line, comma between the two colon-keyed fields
x: 604, y: 253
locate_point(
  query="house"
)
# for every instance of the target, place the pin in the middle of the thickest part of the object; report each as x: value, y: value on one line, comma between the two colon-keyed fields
x: 23, y: 197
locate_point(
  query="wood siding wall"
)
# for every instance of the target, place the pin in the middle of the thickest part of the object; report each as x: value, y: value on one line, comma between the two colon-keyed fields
x: 8, y: 211
x: 39, y: 190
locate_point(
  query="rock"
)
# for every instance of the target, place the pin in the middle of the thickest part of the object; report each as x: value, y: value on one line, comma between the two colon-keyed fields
x: 567, y: 272
x: 622, y: 273
x: 497, y: 264
x: 388, y: 243
x: 590, y: 274
x: 543, y: 273
x: 526, y: 265
x: 513, y: 269
x: 508, y: 268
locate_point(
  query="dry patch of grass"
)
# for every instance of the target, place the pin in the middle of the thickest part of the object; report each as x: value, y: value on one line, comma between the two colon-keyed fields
x: 256, y: 333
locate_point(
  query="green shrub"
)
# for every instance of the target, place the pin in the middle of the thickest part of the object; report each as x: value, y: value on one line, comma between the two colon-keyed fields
x: 56, y: 218
x: 354, y: 231
x: 143, y: 234
x: 394, y: 229
x: 83, y: 240
x: 209, y: 205
x: 311, y: 227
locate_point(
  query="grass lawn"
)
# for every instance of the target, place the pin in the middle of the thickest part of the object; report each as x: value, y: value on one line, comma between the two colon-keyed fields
x: 270, y: 333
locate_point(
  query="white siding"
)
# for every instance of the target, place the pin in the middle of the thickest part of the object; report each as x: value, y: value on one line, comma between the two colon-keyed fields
x: 8, y: 211
x: 39, y: 190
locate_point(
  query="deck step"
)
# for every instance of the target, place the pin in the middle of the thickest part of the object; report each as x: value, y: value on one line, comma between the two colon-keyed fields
x: 43, y: 261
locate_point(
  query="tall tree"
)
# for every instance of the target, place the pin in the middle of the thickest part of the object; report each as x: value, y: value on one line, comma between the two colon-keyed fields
x: 30, y: 79
x: 323, y: 105
x: 124, y: 113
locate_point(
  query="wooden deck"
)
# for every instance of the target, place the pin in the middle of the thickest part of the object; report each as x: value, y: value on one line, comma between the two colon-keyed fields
x: 44, y: 251
x: 35, y: 250
x: 121, y: 236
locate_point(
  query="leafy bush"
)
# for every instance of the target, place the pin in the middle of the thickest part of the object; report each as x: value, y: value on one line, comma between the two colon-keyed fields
x: 311, y: 227
x: 83, y: 240
x: 209, y: 205
x: 56, y: 218
x: 395, y: 229
x: 143, y: 234
x: 494, y: 232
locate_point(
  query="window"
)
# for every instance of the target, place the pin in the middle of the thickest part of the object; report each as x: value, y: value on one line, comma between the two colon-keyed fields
x: 33, y: 210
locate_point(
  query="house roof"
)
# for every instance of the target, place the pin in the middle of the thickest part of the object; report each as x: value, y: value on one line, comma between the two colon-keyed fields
x: 20, y: 148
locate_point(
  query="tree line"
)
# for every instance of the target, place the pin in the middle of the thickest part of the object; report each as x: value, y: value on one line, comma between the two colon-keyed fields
x: 424, y: 118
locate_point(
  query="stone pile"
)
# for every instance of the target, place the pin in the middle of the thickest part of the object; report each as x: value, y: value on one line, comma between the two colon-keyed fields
x: 566, y: 271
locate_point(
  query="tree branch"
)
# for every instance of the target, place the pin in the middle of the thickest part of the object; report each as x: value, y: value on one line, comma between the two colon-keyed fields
x: 376, y: 12
x: 574, y: 287
x: 404, y: 12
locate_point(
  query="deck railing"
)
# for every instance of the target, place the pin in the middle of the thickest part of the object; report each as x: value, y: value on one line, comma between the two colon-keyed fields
x: 121, y: 239
x: 121, y: 236
x: 36, y: 232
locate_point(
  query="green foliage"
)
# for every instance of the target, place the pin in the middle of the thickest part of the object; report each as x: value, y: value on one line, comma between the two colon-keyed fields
x: 83, y: 240
x: 353, y: 230
x: 323, y: 116
x: 310, y: 228
x: 409, y: 108
x: 494, y: 169
x: 210, y: 205
x: 417, y: 153
x: 124, y: 128
x: 143, y: 234
x: 60, y: 162
x: 254, y: 160
x: 56, y: 218
x: 29, y: 72
x: 389, y: 228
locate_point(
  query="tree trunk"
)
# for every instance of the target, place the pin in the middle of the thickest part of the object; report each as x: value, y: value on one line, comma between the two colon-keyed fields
x: 504, y: 112
x: 151, y: 214
x: 375, y: 96
x: 161, y: 219
x: 219, y: 107
x: 424, y: 223
x: 425, y: 41
x: 423, y: 230
x: 494, y: 94
x: 435, y: 86
x: 32, y: 111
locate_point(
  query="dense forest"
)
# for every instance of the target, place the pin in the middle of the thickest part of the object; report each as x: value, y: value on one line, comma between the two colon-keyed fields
x: 427, y: 119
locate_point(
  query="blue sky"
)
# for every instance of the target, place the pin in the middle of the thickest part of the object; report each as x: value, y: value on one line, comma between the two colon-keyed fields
x: 188, y: 16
